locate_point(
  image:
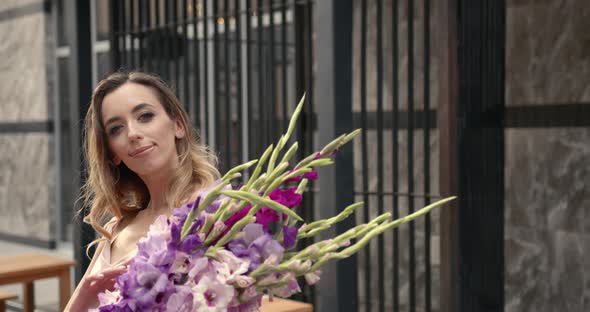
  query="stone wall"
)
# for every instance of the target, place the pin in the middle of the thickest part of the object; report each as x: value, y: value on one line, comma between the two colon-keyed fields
x: 27, y: 171
x: 547, y: 230
x: 547, y: 169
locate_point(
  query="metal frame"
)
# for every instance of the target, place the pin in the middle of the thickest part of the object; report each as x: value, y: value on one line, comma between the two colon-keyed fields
x: 333, y: 84
x: 471, y: 123
x: 79, y: 29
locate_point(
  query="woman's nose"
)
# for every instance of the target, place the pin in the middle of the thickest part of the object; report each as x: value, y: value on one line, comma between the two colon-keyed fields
x: 134, y: 132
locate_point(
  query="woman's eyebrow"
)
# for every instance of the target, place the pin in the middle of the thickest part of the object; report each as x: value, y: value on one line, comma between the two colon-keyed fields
x: 137, y: 108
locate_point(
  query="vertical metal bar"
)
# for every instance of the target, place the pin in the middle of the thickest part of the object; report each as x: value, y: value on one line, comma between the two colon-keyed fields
x: 115, y: 34
x: 271, y: 72
x: 194, y: 109
x: 447, y: 122
x: 176, y: 39
x: 283, y: 125
x: 173, y: 43
x: 131, y: 32
x: 309, y: 79
x: 215, y: 74
x: 333, y: 83
x: 252, y: 147
x: 380, y: 240
x: 141, y: 33
x: 227, y: 93
x: 426, y: 133
x: 166, y: 40
x: 262, y: 132
x: 410, y: 157
x: 364, y: 150
x: 395, y: 147
x: 157, y: 38
x: 206, y: 68
x: 123, y: 23
x: 239, y: 101
x: 185, y: 68
x: 216, y: 101
x: 149, y: 36
x: 80, y: 90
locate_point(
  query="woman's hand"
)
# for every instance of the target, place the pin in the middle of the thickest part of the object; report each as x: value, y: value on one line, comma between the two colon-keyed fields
x: 105, y: 279
x: 90, y: 286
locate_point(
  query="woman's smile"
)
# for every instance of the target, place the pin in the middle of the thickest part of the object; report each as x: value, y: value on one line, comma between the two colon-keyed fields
x: 142, y: 151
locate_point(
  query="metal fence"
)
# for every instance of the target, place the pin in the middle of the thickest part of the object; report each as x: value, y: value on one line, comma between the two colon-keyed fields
x: 397, y: 151
x: 239, y: 67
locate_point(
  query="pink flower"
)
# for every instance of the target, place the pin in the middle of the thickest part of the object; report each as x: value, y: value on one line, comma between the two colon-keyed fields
x: 265, y: 216
x: 286, y: 197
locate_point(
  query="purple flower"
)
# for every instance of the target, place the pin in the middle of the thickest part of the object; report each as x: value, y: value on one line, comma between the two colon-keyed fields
x: 287, y: 197
x: 268, y: 247
x: 312, y: 175
x: 235, y: 218
x: 257, y: 246
x: 145, y: 284
x: 289, y: 236
x: 154, y: 250
x: 181, y: 300
x: 113, y: 301
x: 265, y: 216
x: 286, y: 291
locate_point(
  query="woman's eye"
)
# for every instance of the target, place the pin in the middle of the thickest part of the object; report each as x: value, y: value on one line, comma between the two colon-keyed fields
x: 146, y: 116
x: 115, y: 130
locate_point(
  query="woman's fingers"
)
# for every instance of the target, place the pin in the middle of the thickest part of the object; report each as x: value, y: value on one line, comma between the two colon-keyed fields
x: 107, y: 274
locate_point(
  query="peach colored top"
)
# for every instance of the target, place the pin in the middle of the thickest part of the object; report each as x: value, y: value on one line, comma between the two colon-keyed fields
x: 104, y: 259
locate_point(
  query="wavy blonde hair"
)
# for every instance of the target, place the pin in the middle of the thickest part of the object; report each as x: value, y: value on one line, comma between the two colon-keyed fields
x: 116, y: 193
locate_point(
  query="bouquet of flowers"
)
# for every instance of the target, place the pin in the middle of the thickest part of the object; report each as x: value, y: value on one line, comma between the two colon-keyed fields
x: 229, y: 247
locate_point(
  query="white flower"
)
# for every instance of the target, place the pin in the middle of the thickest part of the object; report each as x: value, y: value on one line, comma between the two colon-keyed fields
x: 212, y: 295
x: 313, y: 277
x: 160, y: 227
x: 229, y: 265
x: 109, y: 297
x: 198, y: 266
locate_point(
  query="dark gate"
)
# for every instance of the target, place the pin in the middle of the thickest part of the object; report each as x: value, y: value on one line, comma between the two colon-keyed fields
x: 239, y: 67
x: 397, y: 154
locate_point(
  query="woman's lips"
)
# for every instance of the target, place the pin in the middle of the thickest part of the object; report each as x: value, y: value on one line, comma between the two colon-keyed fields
x: 141, y: 151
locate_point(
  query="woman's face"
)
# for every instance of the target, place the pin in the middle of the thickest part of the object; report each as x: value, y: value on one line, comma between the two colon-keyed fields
x: 138, y: 130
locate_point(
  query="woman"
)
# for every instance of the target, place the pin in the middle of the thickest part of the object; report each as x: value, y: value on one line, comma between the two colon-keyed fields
x: 143, y: 159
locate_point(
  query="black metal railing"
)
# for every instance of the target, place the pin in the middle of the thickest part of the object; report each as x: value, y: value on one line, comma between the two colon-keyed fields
x: 393, y: 54
x: 239, y: 67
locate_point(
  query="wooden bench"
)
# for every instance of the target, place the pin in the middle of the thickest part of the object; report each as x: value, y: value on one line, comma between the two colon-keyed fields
x: 3, y: 297
x: 27, y: 268
x: 284, y: 305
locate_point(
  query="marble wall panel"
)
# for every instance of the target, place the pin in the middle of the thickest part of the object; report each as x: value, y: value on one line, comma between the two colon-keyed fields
x: 23, y: 92
x: 547, y: 219
x: 26, y: 191
x: 27, y: 160
x: 547, y: 45
x: 547, y: 170
x: 15, y: 5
